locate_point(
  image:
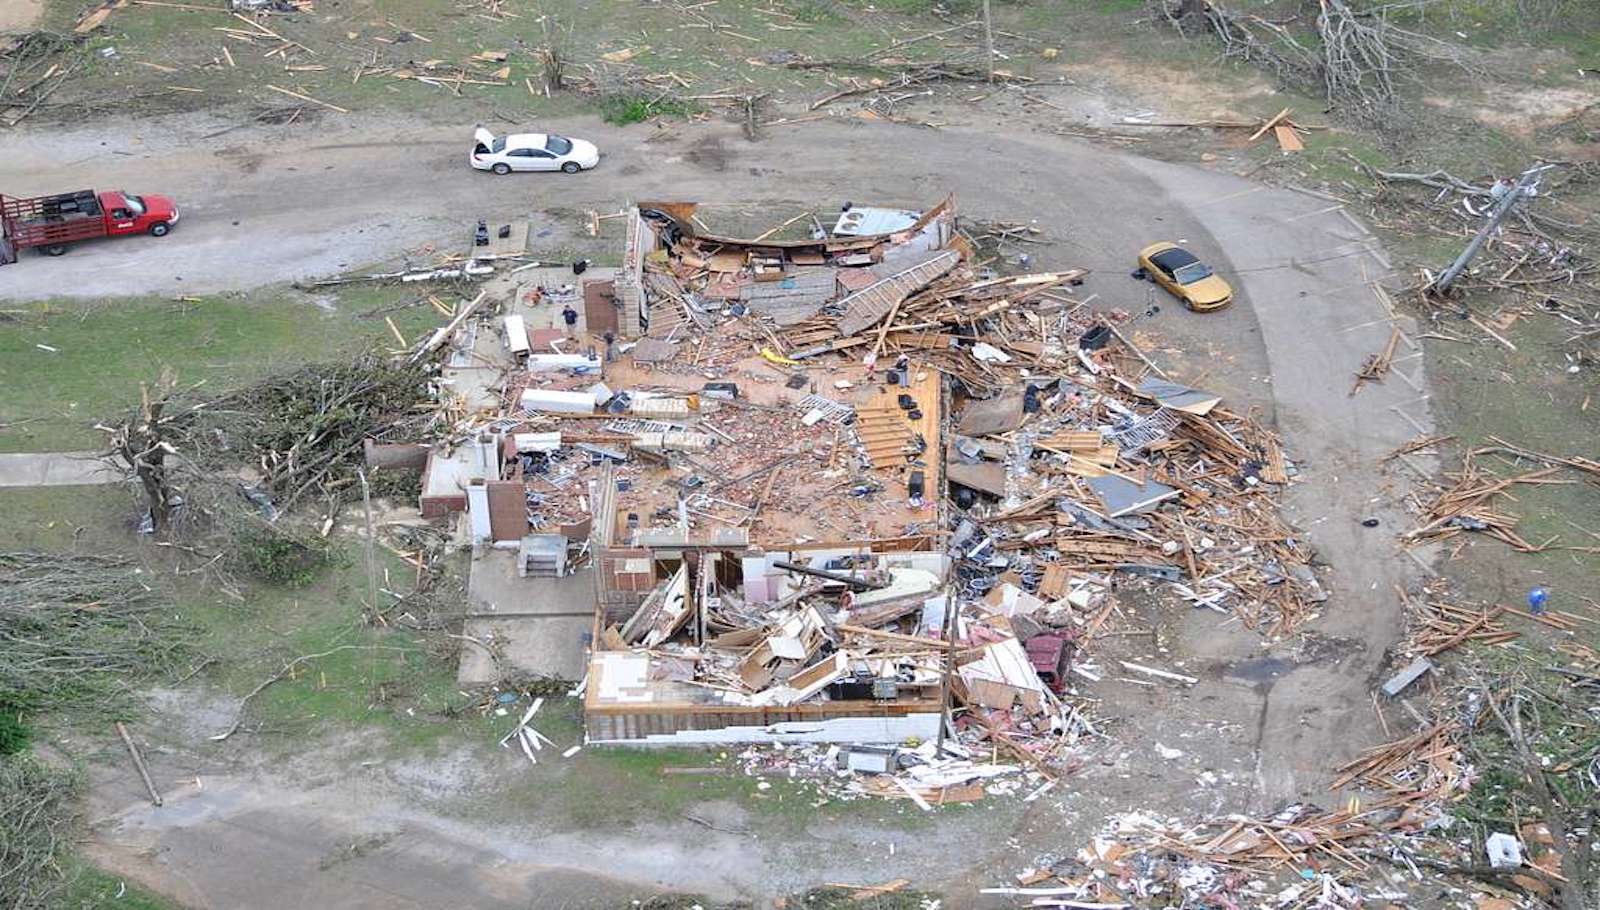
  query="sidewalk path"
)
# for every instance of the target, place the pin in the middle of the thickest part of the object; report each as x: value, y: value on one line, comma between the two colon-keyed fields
x: 56, y: 469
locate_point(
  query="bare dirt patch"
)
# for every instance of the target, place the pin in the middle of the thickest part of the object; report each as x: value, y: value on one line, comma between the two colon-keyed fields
x: 1523, y: 110
x: 19, y: 15
x: 1166, y: 89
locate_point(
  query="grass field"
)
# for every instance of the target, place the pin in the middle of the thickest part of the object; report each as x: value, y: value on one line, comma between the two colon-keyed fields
x: 70, y: 364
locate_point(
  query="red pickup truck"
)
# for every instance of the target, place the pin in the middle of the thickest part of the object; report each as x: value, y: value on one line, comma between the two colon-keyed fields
x: 52, y: 222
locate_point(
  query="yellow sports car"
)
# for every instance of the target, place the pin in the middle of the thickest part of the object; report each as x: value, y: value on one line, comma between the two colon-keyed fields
x: 1186, y: 277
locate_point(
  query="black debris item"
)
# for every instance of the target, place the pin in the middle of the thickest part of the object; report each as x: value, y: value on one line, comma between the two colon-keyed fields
x: 1096, y: 338
x: 913, y: 414
x: 1369, y: 522
x: 504, y: 232
x: 965, y: 498
x: 1076, y: 282
x: 727, y: 391
x: 1030, y: 400
x: 797, y: 381
x: 738, y: 309
x: 907, y: 403
x: 581, y: 266
x: 1139, y: 274
x: 481, y: 237
x: 916, y: 486
x: 892, y: 377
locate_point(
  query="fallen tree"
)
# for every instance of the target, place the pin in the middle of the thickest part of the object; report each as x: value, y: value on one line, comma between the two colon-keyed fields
x: 37, y: 816
x: 219, y: 471
x: 1356, y: 55
x: 75, y: 628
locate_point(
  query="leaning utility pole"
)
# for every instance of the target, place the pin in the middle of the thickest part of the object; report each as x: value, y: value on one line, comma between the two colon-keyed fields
x: 372, y: 539
x: 1524, y: 187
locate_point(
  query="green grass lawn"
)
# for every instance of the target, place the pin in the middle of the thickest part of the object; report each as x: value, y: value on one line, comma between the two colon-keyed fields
x: 89, y: 888
x: 104, y: 349
x: 162, y: 50
x: 396, y: 682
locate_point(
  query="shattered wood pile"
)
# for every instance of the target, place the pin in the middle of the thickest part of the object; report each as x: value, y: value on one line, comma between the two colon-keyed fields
x: 1097, y: 467
x: 1299, y: 856
x: 1436, y: 625
x: 1468, y: 504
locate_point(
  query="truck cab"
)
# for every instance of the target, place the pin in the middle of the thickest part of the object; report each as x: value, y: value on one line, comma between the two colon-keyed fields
x: 126, y: 213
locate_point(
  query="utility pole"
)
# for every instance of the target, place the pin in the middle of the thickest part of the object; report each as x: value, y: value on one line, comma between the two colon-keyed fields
x: 1524, y: 187
x: 372, y: 561
x: 988, y: 38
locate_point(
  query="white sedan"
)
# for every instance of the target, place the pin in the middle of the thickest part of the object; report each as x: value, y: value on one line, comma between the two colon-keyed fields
x: 531, y: 152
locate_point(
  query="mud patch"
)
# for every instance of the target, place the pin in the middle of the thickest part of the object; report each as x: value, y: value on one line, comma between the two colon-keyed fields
x: 708, y: 153
x: 246, y: 161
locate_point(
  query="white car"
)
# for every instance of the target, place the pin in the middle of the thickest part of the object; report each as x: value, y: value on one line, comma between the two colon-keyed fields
x: 531, y: 152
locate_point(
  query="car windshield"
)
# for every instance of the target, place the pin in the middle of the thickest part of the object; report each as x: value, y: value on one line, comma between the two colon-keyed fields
x: 135, y: 204
x: 1192, y: 272
x: 558, y: 144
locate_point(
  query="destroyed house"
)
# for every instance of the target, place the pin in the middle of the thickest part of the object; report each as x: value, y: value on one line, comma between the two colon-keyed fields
x: 830, y: 479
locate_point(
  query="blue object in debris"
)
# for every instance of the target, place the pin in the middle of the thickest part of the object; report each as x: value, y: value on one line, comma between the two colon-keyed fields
x: 1536, y: 599
x: 506, y: 698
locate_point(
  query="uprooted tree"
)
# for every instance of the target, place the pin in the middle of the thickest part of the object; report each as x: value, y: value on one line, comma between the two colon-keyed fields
x: 220, y: 471
x: 1357, y: 54
x: 139, y: 445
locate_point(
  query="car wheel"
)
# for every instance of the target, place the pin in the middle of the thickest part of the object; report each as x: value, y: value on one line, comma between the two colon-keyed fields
x: 55, y: 249
x: 571, y: 167
x: 160, y: 229
x: 502, y: 169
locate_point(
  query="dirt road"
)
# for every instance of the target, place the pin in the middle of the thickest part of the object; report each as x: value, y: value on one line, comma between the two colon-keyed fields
x: 260, y: 208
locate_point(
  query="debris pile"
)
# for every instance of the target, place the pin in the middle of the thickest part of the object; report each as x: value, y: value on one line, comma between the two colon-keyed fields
x: 1468, y: 504
x: 843, y: 483
x: 914, y: 773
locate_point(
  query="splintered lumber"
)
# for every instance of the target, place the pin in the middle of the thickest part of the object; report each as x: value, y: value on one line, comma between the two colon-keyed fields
x: 1424, y: 763
x: 440, y: 336
x: 1444, y: 626
x: 1288, y: 139
x: 866, y: 307
x: 320, y: 103
x: 1377, y: 365
x: 1268, y: 125
x: 1465, y: 507
x: 1417, y: 445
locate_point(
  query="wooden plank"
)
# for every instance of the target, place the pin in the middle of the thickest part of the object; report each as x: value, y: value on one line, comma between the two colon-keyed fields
x: 1288, y: 139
